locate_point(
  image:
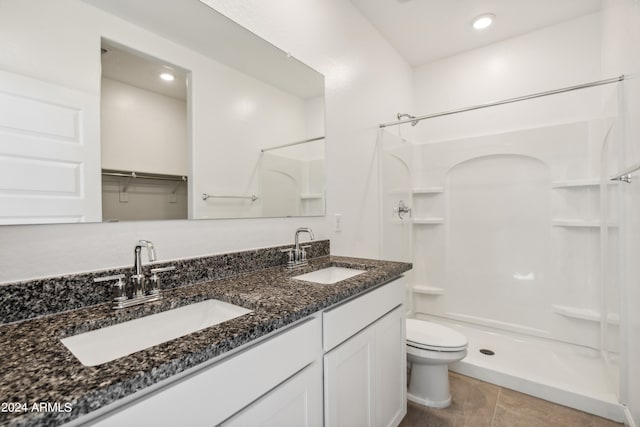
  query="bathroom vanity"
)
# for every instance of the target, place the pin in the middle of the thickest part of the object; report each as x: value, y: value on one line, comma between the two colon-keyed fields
x: 308, y: 353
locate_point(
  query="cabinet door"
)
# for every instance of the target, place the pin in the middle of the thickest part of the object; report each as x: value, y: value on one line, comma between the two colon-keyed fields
x: 366, y: 377
x: 295, y: 403
x: 390, y: 382
x: 348, y: 376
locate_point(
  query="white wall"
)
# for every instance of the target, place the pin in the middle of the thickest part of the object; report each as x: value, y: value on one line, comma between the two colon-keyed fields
x: 249, y: 115
x: 621, y: 54
x: 366, y: 83
x: 550, y: 58
x: 142, y: 131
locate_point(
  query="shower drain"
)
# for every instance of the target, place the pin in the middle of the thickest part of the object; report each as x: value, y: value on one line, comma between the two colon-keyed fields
x: 487, y: 351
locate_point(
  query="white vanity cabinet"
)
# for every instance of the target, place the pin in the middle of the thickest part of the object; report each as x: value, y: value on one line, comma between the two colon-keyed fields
x: 358, y: 345
x: 365, y: 363
x: 282, y: 370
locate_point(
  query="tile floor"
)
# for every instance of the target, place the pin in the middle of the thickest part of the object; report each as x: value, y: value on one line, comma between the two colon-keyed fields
x: 480, y: 404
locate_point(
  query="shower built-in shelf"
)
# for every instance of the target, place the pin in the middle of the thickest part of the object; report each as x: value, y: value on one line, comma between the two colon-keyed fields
x: 427, y: 290
x: 311, y: 196
x: 428, y: 221
x: 579, y: 223
x: 584, y: 314
x: 417, y: 191
x: 428, y: 190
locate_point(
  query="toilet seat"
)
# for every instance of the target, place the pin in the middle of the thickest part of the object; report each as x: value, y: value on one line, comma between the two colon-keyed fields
x: 432, y: 336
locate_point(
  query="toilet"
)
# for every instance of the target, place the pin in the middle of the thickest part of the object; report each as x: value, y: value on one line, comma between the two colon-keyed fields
x: 430, y: 349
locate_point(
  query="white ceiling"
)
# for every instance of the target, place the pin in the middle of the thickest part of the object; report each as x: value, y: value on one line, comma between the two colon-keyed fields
x: 142, y: 71
x: 197, y: 26
x: 425, y: 30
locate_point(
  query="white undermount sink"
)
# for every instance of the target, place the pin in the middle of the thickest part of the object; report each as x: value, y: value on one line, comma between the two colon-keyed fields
x: 112, y: 342
x: 329, y: 275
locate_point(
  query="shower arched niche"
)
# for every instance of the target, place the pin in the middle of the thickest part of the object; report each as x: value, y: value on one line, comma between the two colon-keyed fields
x: 506, y: 238
x: 496, y: 244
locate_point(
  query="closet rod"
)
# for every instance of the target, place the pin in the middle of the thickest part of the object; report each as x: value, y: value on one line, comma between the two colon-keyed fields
x: 124, y: 174
x: 293, y: 143
x: 508, y: 101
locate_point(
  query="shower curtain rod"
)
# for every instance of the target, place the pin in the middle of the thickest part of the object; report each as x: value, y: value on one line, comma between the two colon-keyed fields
x: 292, y: 143
x: 507, y: 101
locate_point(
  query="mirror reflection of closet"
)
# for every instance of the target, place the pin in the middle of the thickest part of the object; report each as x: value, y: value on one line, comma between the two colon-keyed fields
x: 143, y: 133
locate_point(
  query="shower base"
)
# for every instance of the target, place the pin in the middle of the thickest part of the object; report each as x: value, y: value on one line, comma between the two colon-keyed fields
x: 566, y: 374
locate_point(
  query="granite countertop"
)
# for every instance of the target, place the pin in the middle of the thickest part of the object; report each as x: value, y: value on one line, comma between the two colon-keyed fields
x: 37, y: 368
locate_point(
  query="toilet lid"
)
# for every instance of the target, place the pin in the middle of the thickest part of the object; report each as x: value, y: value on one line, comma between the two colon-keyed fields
x: 428, y: 335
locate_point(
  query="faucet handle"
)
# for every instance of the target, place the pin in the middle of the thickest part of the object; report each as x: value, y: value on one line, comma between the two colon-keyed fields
x: 290, y: 255
x: 155, y: 279
x: 162, y: 269
x: 303, y: 252
x: 108, y: 278
x: 119, y: 293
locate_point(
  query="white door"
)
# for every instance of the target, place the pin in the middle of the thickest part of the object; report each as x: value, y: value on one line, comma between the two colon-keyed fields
x: 49, y: 153
x: 348, y: 382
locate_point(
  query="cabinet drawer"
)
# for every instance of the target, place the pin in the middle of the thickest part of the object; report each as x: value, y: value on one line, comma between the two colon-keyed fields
x: 345, y: 320
x: 211, y: 395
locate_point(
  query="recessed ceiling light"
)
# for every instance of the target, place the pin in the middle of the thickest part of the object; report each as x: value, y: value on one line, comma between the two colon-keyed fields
x: 483, y: 21
x: 167, y: 77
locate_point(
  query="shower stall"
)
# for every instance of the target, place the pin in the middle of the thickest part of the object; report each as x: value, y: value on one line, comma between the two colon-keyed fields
x: 509, y: 212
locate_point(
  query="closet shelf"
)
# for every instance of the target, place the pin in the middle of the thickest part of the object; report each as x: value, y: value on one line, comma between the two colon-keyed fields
x: 584, y: 223
x: 127, y: 177
x: 428, y: 190
x: 428, y: 221
x: 584, y: 314
x: 427, y: 290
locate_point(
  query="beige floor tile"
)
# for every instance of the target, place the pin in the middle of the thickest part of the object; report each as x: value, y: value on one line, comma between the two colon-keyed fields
x: 520, y: 410
x: 479, y: 404
x: 472, y: 406
x: 416, y: 416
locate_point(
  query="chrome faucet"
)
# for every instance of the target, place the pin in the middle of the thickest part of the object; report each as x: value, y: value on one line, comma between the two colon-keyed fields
x: 138, y: 279
x: 297, y: 256
x: 140, y: 289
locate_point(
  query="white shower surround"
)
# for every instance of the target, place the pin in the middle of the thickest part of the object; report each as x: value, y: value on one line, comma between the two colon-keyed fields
x: 505, y: 239
x: 515, y: 245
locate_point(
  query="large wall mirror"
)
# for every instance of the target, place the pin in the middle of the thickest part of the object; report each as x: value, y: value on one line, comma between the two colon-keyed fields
x: 118, y: 110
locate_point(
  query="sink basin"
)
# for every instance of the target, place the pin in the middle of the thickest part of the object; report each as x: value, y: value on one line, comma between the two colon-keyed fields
x: 329, y: 275
x: 112, y: 342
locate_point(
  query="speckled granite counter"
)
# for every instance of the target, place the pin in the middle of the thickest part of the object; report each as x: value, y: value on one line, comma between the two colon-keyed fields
x: 37, y: 368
